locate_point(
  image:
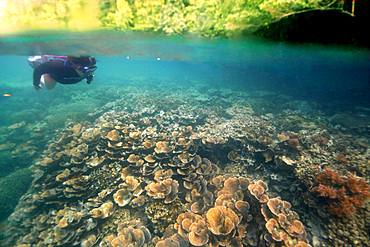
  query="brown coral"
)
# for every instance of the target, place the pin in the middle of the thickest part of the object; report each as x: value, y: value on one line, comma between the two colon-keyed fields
x: 207, y: 168
x: 163, y: 147
x: 135, y: 135
x: 64, y: 175
x: 167, y: 189
x: 150, y: 158
x: 278, y: 206
x: 79, y: 151
x: 225, y: 200
x: 161, y: 175
x: 184, y: 222
x: 218, y: 181
x: 198, y: 202
x: 273, y: 228
x: 242, y: 207
x: 221, y: 220
x: 192, y: 227
x: 89, y: 241
x: 64, y: 222
x: 168, y: 242
x: 134, y: 159
x: 198, y: 235
x: 132, y: 234
x: 258, y: 189
x: 148, y: 144
x: 91, y: 135
x: 122, y: 197
x: 232, y: 185
x: 185, y: 158
x: 104, y: 211
x: 138, y: 201
x: 77, y: 129
x: 296, y: 229
x: 113, y: 136
x: 282, y: 223
x: 131, y: 183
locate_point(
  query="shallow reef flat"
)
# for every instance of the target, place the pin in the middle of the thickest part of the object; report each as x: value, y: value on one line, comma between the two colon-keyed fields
x: 188, y: 167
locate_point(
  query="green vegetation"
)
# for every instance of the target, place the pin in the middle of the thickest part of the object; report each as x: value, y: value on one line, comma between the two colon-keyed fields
x: 205, y: 17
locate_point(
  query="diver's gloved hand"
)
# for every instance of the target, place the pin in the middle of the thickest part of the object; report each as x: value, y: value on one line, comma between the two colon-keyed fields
x: 37, y: 87
x: 89, y: 79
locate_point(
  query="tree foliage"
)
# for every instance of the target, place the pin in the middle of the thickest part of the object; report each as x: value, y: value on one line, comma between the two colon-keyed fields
x: 205, y: 17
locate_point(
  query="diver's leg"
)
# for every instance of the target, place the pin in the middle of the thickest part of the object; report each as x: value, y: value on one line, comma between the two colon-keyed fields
x: 48, y: 81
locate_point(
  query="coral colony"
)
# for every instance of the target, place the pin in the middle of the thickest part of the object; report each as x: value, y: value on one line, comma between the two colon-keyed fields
x: 342, y: 196
x: 170, y: 177
x: 89, y: 174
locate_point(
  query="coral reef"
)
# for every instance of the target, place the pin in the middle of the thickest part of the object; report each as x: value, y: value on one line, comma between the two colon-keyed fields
x: 92, y: 173
x: 194, y: 174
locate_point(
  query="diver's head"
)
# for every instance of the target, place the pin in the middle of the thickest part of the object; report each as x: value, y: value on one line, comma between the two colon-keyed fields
x: 85, y: 64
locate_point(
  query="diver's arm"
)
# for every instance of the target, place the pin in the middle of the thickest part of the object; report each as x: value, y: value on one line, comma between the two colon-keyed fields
x: 45, y: 68
x: 37, y: 73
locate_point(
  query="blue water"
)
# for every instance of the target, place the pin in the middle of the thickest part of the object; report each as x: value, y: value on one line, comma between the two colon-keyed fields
x: 305, y: 71
x: 274, y: 77
x: 246, y: 58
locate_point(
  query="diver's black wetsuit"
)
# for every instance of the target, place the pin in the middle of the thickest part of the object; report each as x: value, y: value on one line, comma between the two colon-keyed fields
x: 60, y: 70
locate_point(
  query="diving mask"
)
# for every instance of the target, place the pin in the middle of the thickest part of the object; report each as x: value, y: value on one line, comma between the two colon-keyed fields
x: 89, y: 70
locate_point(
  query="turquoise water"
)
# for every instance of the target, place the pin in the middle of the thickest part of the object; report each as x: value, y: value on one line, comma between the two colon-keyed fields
x: 327, y: 85
x: 236, y: 64
x: 305, y: 71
